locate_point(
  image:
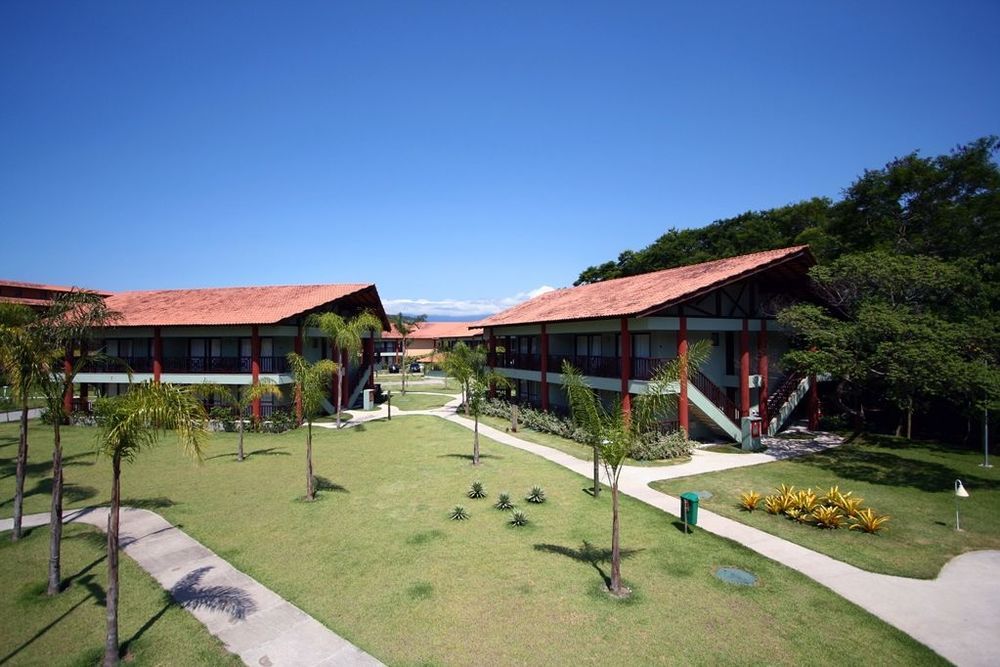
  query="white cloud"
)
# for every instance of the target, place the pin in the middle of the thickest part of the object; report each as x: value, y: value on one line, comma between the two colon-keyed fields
x: 459, y: 308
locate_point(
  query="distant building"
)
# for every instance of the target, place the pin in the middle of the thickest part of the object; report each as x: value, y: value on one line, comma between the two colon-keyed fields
x: 428, y: 341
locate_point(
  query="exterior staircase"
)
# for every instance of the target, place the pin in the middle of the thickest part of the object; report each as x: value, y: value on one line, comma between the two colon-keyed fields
x: 784, y: 400
x: 357, y: 378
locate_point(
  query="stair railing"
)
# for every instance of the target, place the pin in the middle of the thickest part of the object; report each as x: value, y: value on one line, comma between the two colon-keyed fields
x: 715, y: 394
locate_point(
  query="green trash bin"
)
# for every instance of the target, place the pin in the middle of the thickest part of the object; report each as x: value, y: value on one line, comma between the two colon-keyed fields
x: 689, y: 508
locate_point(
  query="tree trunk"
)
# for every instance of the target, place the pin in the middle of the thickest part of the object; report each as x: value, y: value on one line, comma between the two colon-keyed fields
x: 909, y: 420
x: 20, y: 472
x: 239, y: 445
x: 475, y: 443
x: 402, y: 368
x: 55, y: 520
x: 616, y: 554
x: 111, y: 642
x: 310, y: 482
x: 466, y: 391
x: 340, y: 390
x: 597, y: 471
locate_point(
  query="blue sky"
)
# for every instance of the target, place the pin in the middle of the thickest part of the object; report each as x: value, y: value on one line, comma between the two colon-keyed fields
x: 462, y: 153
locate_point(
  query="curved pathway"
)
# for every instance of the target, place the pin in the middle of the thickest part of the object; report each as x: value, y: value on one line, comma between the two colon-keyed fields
x: 957, y: 614
x: 253, y: 622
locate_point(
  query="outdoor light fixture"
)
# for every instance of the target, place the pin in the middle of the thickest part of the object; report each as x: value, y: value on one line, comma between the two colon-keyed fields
x: 960, y: 492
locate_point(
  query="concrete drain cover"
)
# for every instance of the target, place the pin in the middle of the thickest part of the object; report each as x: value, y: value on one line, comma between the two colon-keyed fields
x: 704, y: 495
x: 736, y: 576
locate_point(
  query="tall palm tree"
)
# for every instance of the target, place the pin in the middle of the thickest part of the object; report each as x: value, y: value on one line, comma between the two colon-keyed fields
x: 128, y: 424
x: 19, y: 358
x: 480, y: 381
x: 73, y: 318
x: 405, y: 326
x: 311, y: 381
x: 617, y: 431
x: 462, y: 363
x: 239, y: 397
x: 347, y: 335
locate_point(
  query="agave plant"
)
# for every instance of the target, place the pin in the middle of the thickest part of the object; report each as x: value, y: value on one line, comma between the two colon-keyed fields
x: 806, y: 501
x: 503, y: 502
x: 749, y: 500
x: 866, y: 520
x: 536, y: 496
x: 773, y: 505
x: 826, y: 516
x: 832, y: 496
x: 476, y: 490
x: 850, y: 505
x: 458, y: 513
x: 518, y: 518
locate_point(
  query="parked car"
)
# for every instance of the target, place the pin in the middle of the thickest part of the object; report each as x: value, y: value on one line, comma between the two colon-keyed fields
x: 393, y: 368
x: 415, y: 367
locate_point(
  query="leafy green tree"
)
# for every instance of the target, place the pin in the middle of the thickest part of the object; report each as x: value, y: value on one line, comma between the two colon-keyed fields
x: 618, y: 432
x: 239, y: 397
x: 72, y: 319
x: 405, y: 326
x: 480, y: 381
x: 21, y: 355
x: 128, y: 424
x: 463, y: 363
x: 311, y: 381
x: 347, y: 335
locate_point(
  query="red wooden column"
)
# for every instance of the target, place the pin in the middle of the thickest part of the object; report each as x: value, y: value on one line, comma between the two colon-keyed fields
x: 491, y: 357
x: 84, y: 387
x: 298, y: 390
x: 814, y: 409
x: 157, y: 355
x: 255, y: 366
x: 682, y: 350
x: 762, y: 393
x: 626, y: 366
x: 368, y: 360
x: 745, y: 369
x: 545, y: 367
x: 68, y: 369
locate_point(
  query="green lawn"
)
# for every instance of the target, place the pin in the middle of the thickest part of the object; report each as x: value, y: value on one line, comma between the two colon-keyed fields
x: 11, y: 406
x: 69, y: 629
x: 394, y: 382
x: 571, y: 447
x: 377, y: 560
x: 413, y: 400
x: 912, y: 482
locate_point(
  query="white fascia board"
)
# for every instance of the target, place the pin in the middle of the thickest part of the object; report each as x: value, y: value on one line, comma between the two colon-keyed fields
x: 585, y: 326
x: 128, y: 332
x: 278, y: 331
x: 516, y: 330
x: 221, y: 331
x: 518, y: 374
x: 111, y: 378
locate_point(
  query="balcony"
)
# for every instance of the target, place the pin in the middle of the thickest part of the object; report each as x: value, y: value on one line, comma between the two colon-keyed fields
x: 604, y: 367
x: 189, y: 365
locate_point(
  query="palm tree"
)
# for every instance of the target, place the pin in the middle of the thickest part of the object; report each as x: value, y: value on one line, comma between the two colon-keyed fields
x: 462, y: 363
x: 346, y: 335
x: 72, y: 319
x: 239, y: 397
x: 617, y: 431
x: 405, y: 326
x: 19, y: 357
x: 311, y: 381
x: 480, y: 381
x: 127, y: 425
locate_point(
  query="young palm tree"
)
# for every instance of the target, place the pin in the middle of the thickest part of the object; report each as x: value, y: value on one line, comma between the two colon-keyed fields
x: 20, y: 353
x: 406, y: 326
x: 462, y: 363
x: 240, y: 397
x: 346, y: 335
x: 72, y: 319
x: 127, y: 425
x: 311, y: 381
x: 480, y: 382
x: 616, y: 432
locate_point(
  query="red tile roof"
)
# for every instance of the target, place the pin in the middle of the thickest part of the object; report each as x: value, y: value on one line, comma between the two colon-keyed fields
x: 46, y: 288
x: 232, y: 305
x: 641, y: 294
x: 436, y: 330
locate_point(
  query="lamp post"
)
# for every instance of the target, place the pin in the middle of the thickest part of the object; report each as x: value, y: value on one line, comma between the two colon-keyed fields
x: 960, y: 492
x: 388, y: 404
x: 986, y: 428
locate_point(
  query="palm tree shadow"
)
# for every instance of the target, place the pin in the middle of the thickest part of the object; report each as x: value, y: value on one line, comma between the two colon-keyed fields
x: 468, y: 457
x: 587, y: 553
x: 190, y: 594
x: 326, y: 484
x: 270, y: 451
x: 155, y: 503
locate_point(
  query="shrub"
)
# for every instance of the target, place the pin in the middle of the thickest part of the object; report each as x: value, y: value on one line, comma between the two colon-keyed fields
x: 773, y: 505
x: 806, y: 500
x: 827, y: 516
x: 654, y: 446
x: 866, y: 520
x: 518, y: 518
x: 476, y: 490
x: 749, y: 500
x: 458, y: 513
x: 503, y: 502
x: 536, y: 496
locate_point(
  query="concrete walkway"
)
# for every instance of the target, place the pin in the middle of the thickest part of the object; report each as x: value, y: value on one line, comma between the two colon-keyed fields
x: 957, y: 615
x: 15, y: 415
x: 253, y: 622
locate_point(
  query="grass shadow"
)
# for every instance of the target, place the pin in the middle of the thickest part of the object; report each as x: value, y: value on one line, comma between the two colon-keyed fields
x: 326, y: 484
x: 8, y: 466
x: 155, y: 503
x: 468, y: 457
x: 72, y: 493
x: 587, y: 553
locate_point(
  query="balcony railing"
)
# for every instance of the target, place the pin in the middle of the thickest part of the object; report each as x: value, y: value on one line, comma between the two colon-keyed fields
x: 223, y: 365
x: 528, y: 362
x: 607, y: 367
x: 717, y: 395
x: 644, y: 368
x: 119, y: 365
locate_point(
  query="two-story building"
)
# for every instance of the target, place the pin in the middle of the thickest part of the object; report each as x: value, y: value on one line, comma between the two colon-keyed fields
x: 427, y: 340
x: 618, y: 331
x: 229, y: 336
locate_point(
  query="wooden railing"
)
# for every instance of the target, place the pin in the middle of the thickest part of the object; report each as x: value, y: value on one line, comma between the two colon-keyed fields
x: 784, y: 391
x: 643, y: 368
x: 223, y: 365
x: 716, y: 395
